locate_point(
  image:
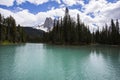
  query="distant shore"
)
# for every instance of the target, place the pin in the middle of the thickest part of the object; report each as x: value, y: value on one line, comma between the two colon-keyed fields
x: 79, y: 44
x: 10, y: 43
x: 62, y: 44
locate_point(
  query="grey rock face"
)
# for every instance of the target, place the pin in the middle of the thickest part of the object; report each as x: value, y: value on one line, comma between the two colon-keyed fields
x: 48, y: 23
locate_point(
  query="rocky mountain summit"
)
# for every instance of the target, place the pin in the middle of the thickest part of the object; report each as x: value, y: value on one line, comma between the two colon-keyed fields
x: 47, y: 26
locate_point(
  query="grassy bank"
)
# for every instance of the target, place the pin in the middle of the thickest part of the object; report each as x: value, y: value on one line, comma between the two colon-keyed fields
x: 5, y: 43
x: 10, y: 43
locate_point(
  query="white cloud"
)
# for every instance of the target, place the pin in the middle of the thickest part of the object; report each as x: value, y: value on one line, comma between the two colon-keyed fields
x: 103, y: 11
x: 73, y: 2
x: 58, y: 1
x: 20, y: 1
x: 26, y: 18
x: 94, y: 6
x: 6, y: 2
x: 22, y: 17
x: 36, y: 2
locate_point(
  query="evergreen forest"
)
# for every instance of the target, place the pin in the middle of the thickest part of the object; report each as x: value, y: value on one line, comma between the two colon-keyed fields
x: 10, y: 32
x: 65, y: 31
x: 68, y: 31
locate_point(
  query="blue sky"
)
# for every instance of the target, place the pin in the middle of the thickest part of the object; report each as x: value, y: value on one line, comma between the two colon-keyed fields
x: 34, y: 9
x: 33, y: 12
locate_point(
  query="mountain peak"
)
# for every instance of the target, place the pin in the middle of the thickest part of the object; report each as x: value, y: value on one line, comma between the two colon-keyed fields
x: 47, y: 26
x: 48, y: 23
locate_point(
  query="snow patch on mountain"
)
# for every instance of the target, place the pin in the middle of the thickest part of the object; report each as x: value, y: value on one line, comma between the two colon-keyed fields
x: 47, y: 26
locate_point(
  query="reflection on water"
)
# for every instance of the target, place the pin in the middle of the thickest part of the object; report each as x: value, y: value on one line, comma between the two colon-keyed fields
x: 7, y: 54
x: 47, y: 62
x: 97, y: 59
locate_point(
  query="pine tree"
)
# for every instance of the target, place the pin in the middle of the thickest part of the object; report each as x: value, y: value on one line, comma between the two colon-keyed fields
x: 79, y: 29
x: 65, y: 25
x: 117, y: 32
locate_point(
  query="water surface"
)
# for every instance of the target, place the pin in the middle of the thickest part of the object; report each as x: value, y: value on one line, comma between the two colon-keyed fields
x: 50, y: 62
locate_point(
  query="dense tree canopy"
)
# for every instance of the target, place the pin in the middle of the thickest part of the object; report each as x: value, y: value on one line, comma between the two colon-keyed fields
x: 9, y: 31
x: 109, y: 34
x: 67, y: 31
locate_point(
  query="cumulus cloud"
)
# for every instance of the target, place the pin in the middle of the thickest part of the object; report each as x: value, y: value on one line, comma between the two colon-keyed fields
x: 94, y: 6
x: 72, y: 2
x: 26, y: 18
x: 66, y: 2
x: 22, y: 17
x: 58, y: 1
x: 37, y: 2
x: 6, y: 2
x: 102, y: 12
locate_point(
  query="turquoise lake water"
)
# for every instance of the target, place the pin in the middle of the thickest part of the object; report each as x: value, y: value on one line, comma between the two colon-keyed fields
x: 53, y: 62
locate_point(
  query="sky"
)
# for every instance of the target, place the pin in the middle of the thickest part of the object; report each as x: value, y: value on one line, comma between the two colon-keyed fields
x: 34, y: 12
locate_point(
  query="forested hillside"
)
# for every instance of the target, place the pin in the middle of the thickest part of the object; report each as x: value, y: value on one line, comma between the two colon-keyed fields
x: 33, y: 35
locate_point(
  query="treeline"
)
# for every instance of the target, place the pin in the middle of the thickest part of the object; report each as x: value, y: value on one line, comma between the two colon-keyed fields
x: 9, y: 31
x: 109, y: 34
x: 68, y: 31
x: 65, y: 31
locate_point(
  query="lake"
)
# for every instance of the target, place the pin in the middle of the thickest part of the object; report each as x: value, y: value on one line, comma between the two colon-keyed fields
x: 52, y: 62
